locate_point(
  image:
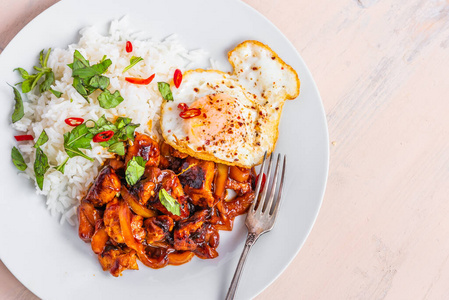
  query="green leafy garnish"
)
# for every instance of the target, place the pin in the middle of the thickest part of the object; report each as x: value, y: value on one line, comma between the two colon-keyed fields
x: 118, y: 148
x: 86, y: 78
x: 43, y: 138
x: 164, y: 89
x: 134, y: 170
x: 31, y: 80
x: 108, y: 100
x: 61, y: 167
x: 79, y: 138
x: 132, y: 62
x: 17, y: 159
x: 18, y: 107
x: 170, y: 203
x: 40, y: 167
x: 56, y: 93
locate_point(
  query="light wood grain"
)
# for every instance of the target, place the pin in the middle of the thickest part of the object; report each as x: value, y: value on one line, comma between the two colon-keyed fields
x: 382, y: 67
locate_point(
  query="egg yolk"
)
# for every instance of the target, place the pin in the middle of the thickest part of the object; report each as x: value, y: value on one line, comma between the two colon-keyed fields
x: 221, y: 121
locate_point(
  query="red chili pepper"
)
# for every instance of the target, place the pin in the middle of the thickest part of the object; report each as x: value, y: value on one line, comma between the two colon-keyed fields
x: 74, y: 121
x: 25, y: 137
x: 103, y: 136
x: 177, y: 78
x: 262, y: 184
x: 140, y: 80
x: 183, y: 106
x: 129, y: 47
x: 190, y: 113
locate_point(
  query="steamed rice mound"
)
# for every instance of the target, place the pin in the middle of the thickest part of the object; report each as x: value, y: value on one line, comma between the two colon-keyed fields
x: 141, y: 104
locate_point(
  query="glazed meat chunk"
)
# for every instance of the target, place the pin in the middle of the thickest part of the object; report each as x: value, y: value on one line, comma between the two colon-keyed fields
x: 197, y: 177
x: 87, y: 218
x: 117, y: 260
x: 145, y: 147
x: 186, y: 229
x: 105, y: 187
x: 158, y: 228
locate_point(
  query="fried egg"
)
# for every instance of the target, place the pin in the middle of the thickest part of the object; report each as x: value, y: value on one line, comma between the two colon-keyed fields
x: 239, y: 111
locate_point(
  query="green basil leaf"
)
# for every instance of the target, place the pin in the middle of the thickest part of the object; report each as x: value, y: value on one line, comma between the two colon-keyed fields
x: 102, y: 125
x: 40, y: 167
x: 170, y: 203
x: 79, y: 60
x: 61, y: 167
x: 79, y: 138
x: 56, y: 93
x: 84, y: 73
x: 164, y: 89
x: 79, y: 87
x: 44, y: 63
x: 134, y: 170
x: 108, y: 100
x: 43, y: 138
x: 132, y: 62
x: 102, y: 66
x: 17, y: 159
x: 36, y: 79
x: 23, y: 73
x: 41, y: 57
x: 99, y: 82
x: 26, y: 85
x: 118, y: 148
x: 48, y: 81
x: 122, y: 122
x: 18, y: 106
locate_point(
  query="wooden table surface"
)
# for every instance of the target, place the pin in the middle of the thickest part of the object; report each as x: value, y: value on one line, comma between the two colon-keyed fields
x: 382, y: 67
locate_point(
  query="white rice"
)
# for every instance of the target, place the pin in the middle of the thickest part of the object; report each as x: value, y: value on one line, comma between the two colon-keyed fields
x: 141, y: 104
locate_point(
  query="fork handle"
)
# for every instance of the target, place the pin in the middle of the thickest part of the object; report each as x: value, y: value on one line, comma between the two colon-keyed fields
x: 250, y: 240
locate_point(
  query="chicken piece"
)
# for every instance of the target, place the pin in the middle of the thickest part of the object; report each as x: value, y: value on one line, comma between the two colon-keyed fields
x: 111, y: 221
x: 197, y: 177
x: 171, y: 158
x: 240, y: 188
x: 239, y: 205
x: 117, y: 260
x: 145, y: 147
x: 207, y: 239
x: 138, y: 231
x: 167, y: 179
x: 100, y: 238
x: 105, y: 187
x: 185, y: 229
x: 144, y: 189
x: 158, y: 228
x: 87, y: 218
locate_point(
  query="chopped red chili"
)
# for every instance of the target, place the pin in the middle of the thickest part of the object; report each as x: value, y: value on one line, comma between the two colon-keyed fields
x: 74, y: 121
x: 177, y: 78
x: 190, y: 113
x: 25, y: 137
x: 140, y: 80
x: 103, y: 136
x: 129, y: 47
x: 183, y: 106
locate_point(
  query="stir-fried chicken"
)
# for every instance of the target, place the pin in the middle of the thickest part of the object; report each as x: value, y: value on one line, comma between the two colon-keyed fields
x: 124, y: 222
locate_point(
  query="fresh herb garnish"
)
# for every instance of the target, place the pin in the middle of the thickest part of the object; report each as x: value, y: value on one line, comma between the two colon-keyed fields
x: 18, y: 107
x: 134, y: 170
x: 170, y: 203
x: 56, y: 93
x: 43, y: 138
x: 40, y: 167
x: 79, y: 138
x: 164, y: 89
x: 87, y: 79
x: 17, y: 159
x: 41, y: 162
x: 108, y: 100
x: 61, y: 167
x: 132, y: 62
x: 31, y: 80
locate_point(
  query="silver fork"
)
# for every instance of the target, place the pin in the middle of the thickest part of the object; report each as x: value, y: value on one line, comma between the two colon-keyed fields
x: 261, y: 215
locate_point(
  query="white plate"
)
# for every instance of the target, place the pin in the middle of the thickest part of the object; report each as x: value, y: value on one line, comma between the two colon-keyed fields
x: 54, y: 263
